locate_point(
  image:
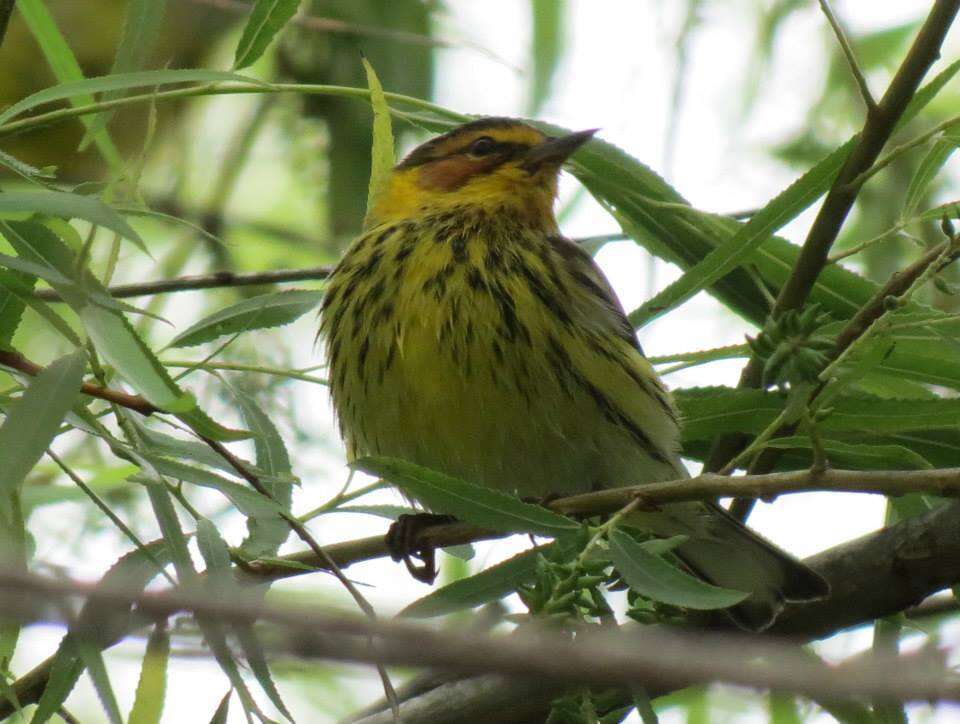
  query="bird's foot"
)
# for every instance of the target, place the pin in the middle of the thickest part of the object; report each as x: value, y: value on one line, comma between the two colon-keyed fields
x: 404, y: 544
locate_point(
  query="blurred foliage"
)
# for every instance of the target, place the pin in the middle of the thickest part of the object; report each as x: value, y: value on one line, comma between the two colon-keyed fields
x: 281, y: 180
x: 94, y: 28
x: 404, y: 67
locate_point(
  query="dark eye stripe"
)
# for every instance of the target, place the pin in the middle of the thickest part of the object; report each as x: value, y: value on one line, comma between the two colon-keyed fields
x: 502, y: 150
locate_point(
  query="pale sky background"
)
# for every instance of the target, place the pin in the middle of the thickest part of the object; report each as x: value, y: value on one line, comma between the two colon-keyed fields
x: 617, y: 75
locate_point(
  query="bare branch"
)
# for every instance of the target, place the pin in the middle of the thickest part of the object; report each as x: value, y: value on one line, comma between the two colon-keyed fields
x: 628, y: 656
x: 16, y: 361
x: 877, y: 575
x: 851, y: 57
x: 206, y: 281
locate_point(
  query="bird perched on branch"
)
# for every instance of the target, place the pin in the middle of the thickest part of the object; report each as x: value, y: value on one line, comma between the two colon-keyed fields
x: 465, y: 334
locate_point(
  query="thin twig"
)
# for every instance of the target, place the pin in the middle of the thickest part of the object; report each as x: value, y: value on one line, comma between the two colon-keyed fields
x: 851, y: 57
x: 221, y: 279
x: 206, y: 281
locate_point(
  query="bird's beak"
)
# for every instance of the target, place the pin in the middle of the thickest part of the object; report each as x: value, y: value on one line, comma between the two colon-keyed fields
x: 554, y: 151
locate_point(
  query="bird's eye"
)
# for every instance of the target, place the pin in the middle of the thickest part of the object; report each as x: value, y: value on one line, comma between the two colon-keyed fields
x: 483, y: 146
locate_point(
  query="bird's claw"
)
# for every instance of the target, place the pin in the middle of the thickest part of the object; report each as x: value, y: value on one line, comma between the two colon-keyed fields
x: 403, y: 542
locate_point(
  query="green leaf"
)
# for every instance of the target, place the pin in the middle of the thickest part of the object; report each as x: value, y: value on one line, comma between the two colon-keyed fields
x: 115, y: 339
x: 81, y: 89
x: 547, y: 48
x: 247, y: 500
x: 171, y: 531
x: 382, y: 156
x: 11, y: 303
x: 266, y: 533
x: 928, y: 169
x: 859, y: 456
x: 267, y: 18
x: 142, y: 24
x: 121, y: 347
x: 390, y: 512
x: 653, y: 577
x: 218, y: 579
x: 65, y: 67
x: 133, y: 571
x: 157, y: 443
x: 783, y: 708
x: 152, y: 686
x: 92, y: 660
x: 481, y: 506
x: 261, y: 312
x: 708, y: 411
x: 68, y: 206
x: 223, y: 710
x: 24, y: 170
x: 489, y: 585
x: 733, y: 251
x: 33, y: 422
x: 64, y: 674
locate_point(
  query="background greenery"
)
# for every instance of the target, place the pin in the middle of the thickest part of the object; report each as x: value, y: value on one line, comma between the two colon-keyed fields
x: 261, y: 162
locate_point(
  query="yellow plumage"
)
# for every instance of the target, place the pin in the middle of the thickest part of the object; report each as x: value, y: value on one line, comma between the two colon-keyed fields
x: 466, y: 335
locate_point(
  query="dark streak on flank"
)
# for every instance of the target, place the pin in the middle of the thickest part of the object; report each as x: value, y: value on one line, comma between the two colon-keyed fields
x: 459, y: 247
x: 549, y: 298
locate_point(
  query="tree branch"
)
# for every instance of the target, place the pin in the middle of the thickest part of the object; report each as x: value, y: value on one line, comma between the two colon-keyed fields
x: 876, y: 575
x: 877, y: 129
x: 205, y: 281
x: 628, y: 656
x: 16, y: 361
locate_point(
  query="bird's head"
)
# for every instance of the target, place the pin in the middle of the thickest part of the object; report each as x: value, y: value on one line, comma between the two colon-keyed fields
x: 492, y: 163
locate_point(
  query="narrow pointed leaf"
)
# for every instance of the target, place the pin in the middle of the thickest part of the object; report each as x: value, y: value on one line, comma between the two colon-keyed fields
x: 261, y: 312
x: 382, y: 156
x: 266, y: 19
x: 491, y: 584
x: 33, y: 422
x: 65, y: 67
x: 68, y: 206
x: 653, y: 577
x: 481, y: 506
x: 152, y: 686
x: 81, y: 89
x: 928, y: 169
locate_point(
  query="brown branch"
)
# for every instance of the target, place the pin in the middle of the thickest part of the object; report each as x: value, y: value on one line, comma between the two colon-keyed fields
x: 898, y: 284
x: 16, y: 361
x: 217, y: 280
x: 206, y: 281
x: 626, y: 657
x: 877, y: 575
x: 879, y: 126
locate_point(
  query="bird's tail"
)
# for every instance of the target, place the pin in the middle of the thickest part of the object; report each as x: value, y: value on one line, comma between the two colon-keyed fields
x: 724, y: 552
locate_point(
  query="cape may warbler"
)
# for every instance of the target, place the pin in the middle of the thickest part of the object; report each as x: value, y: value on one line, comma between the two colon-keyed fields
x: 465, y: 334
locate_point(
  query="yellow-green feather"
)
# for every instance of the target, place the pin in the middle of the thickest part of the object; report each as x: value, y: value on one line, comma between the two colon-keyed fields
x: 473, y: 343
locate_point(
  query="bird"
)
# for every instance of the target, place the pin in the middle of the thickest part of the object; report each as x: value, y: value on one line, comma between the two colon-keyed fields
x: 466, y: 334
